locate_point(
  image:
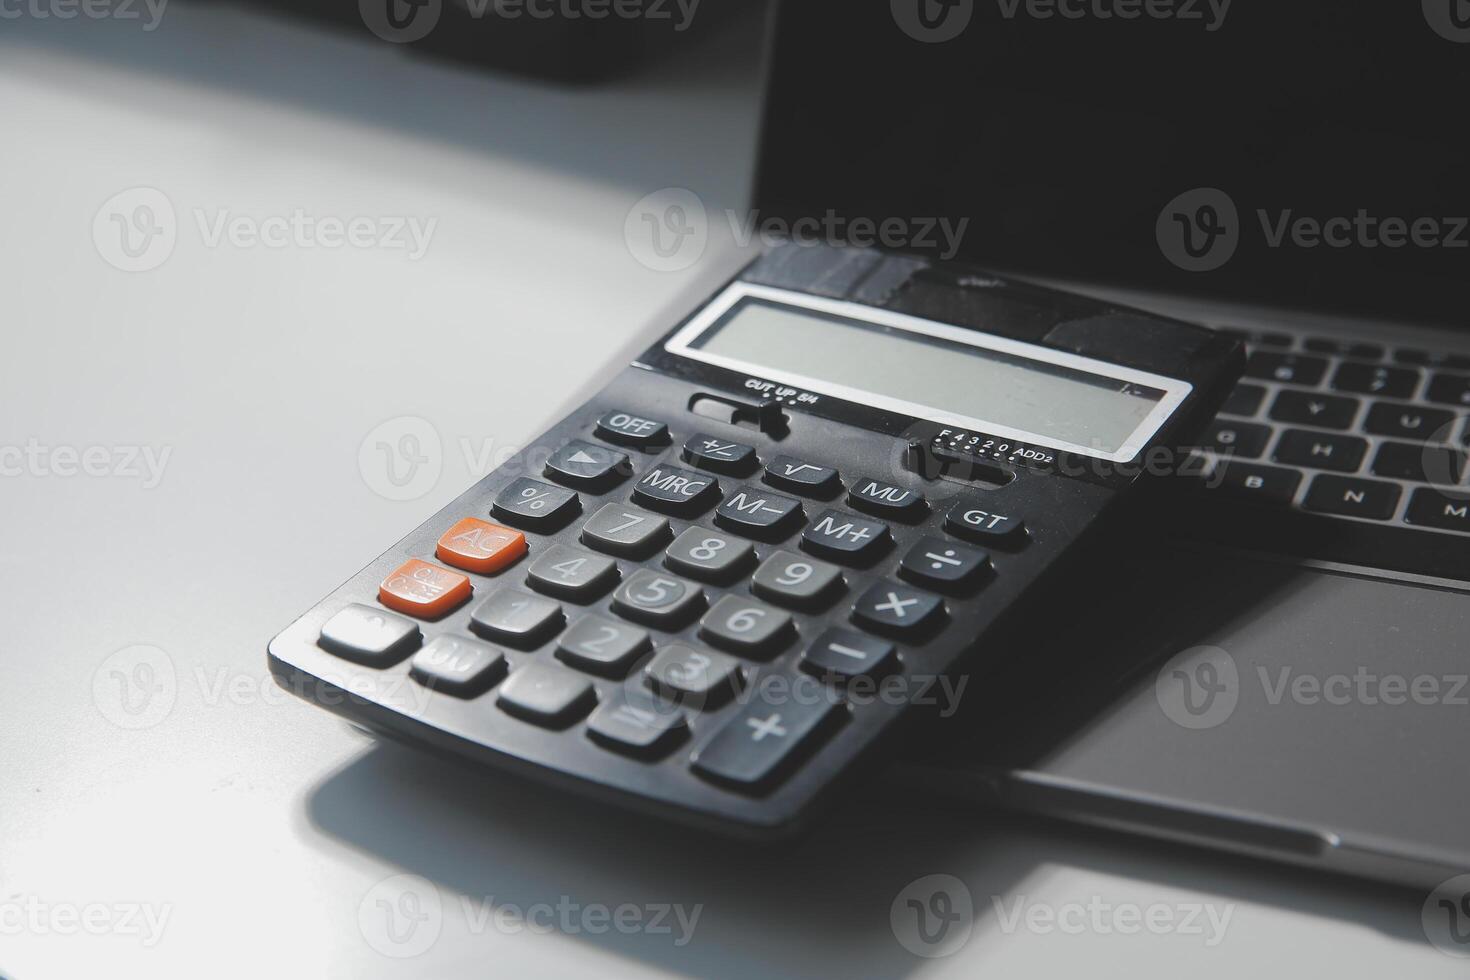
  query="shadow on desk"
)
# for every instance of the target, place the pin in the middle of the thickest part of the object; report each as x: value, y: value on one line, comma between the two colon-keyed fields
x: 816, y: 907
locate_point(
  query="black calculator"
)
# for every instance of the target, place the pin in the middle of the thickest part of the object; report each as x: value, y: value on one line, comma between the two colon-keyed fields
x: 715, y: 590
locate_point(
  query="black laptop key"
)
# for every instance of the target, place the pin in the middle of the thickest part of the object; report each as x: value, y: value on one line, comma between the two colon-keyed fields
x: 546, y: 694
x: 536, y: 506
x: 888, y: 607
x: 369, y: 635
x: 1321, y: 450
x: 588, y: 466
x: 1429, y: 507
x: 1244, y: 400
x: 1249, y: 481
x: 887, y: 499
x: 1433, y: 359
x: 720, y: 455
x: 1449, y: 389
x: 672, y: 490
x: 618, y: 529
x: 944, y: 565
x: 1344, y: 348
x: 758, y: 513
x: 1310, y: 408
x: 846, y: 537
x: 632, y: 430
x: 1289, y: 368
x: 1353, y: 497
x: 637, y: 723
x: 517, y: 618
x: 461, y: 667
x: 756, y: 745
x: 1408, y: 422
x: 799, y: 476
x: 844, y: 654
x: 1439, y: 465
x: 1246, y: 440
x: 1374, y: 379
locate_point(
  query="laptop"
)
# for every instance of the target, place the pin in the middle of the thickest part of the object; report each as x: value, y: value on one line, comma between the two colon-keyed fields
x: 1294, y: 174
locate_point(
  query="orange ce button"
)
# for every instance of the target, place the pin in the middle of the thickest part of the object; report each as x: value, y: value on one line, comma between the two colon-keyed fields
x: 420, y: 589
x: 481, y: 547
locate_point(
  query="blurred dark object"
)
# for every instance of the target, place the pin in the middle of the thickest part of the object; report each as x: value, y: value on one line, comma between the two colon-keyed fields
x: 577, y: 41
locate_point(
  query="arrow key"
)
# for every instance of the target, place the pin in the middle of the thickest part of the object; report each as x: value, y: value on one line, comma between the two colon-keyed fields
x: 588, y: 466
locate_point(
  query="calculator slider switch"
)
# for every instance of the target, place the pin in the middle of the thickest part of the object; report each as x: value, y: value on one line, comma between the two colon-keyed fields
x: 765, y: 416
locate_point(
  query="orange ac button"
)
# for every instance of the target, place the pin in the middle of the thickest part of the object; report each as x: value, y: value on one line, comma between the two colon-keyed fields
x: 481, y: 547
x: 423, y: 590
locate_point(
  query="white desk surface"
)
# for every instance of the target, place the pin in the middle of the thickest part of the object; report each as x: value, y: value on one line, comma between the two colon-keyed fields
x: 256, y: 825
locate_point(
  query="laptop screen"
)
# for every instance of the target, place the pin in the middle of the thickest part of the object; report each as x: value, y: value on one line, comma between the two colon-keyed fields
x: 1310, y: 153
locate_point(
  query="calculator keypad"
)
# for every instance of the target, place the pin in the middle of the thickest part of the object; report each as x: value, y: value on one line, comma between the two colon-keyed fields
x: 759, y: 514
x: 588, y: 467
x: 630, y: 429
x: 803, y: 477
x: 676, y: 491
x: 637, y: 723
x: 458, y: 666
x: 889, y: 607
x: 517, y: 618
x: 658, y: 600
x: 424, y: 590
x: 846, y: 537
x: 481, y: 547
x: 704, y: 677
x: 746, y: 626
x: 536, y: 506
x: 887, y: 500
x: 847, y: 654
x: 759, y: 741
x: 796, y: 581
x: 546, y: 694
x: 602, y: 645
x: 719, y: 455
x: 709, y: 556
x: 945, y: 566
x: 569, y: 573
x: 625, y: 531
x: 369, y: 636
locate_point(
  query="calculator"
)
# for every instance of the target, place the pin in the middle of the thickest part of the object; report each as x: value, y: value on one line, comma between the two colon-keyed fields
x: 718, y: 590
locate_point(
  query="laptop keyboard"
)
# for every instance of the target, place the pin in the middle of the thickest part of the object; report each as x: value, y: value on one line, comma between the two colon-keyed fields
x: 1349, y: 430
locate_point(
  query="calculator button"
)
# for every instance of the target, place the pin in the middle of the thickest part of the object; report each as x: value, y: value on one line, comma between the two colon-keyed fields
x: 546, y: 694
x: 943, y: 565
x: 637, y: 723
x: 658, y: 600
x: 625, y: 531
x: 759, y: 514
x: 602, y: 645
x: 799, y: 476
x: 700, y: 677
x: 517, y: 618
x: 572, y: 574
x: 632, y: 430
x: 745, y: 626
x: 889, y: 607
x: 709, y: 555
x: 369, y: 636
x: 720, y: 455
x: 1352, y: 497
x: 843, y: 537
x: 887, y: 500
x: 676, y: 491
x: 457, y: 666
x: 972, y: 518
x: 1321, y: 450
x: 1265, y: 484
x: 758, y: 742
x: 595, y: 468
x: 795, y: 580
x: 536, y: 506
x: 846, y: 654
x: 481, y: 547
x: 423, y: 590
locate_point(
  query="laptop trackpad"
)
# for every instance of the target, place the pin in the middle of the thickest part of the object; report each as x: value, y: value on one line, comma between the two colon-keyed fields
x: 1309, y: 697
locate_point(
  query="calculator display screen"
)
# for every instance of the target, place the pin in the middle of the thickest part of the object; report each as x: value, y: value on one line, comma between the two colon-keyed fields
x: 942, y: 372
